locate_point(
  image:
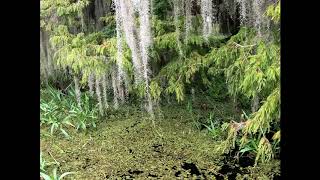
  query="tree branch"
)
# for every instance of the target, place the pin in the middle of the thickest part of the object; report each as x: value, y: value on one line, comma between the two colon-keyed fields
x: 239, y: 45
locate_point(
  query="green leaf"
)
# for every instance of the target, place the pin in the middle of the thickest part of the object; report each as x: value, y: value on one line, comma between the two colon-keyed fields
x: 55, y: 176
x: 246, y: 149
x: 53, y: 126
x: 45, y: 176
x: 65, y: 133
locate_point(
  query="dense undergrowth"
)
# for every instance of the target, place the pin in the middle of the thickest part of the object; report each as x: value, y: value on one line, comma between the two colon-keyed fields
x: 169, y: 72
x: 126, y: 144
x: 59, y: 111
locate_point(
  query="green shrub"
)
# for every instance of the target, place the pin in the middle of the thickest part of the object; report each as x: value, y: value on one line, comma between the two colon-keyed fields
x: 61, y: 111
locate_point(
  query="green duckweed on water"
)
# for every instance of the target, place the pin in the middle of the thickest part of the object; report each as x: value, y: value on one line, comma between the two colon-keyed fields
x: 129, y: 145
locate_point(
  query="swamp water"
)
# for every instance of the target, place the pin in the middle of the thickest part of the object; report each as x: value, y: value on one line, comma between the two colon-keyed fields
x: 129, y: 146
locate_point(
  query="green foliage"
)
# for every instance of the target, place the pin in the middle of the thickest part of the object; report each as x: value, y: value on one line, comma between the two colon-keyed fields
x: 217, y: 88
x: 166, y: 41
x: 276, y: 142
x: 54, y: 175
x: 108, y: 48
x: 161, y: 8
x: 273, y: 11
x: 51, y: 115
x: 195, y: 120
x: 253, y: 70
x: 230, y: 142
x: 65, y: 10
x: 243, y: 66
x: 61, y: 111
x: 180, y: 71
x: 43, y: 163
x: 140, y: 89
x: 78, y: 53
x: 276, y: 137
x: 177, y: 87
x: 84, y: 116
x: 213, y: 128
x: 251, y: 146
x: 265, y: 152
x: 61, y: 79
x: 262, y: 119
x: 161, y: 27
x: 109, y: 30
x: 155, y: 91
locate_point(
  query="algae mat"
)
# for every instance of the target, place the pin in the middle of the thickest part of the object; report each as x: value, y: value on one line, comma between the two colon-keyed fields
x: 130, y: 146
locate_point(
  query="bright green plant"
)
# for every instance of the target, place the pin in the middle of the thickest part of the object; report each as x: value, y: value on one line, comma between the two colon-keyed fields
x: 54, y: 175
x: 86, y: 115
x: 213, y: 128
x: 273, y: 11
x: 51, y: 115
x: 43, y: 163
x: 251, y: 146
x: 56, y: 125
x: 252, y: 68
x: 276, y: 142
x: 61, y: 111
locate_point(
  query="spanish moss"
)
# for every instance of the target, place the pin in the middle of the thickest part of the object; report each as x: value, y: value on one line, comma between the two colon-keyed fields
x: 207, y: 17
x: 77, y: 90
x: 91, y: 84
x: 98, y: 93
x: 104, y: 90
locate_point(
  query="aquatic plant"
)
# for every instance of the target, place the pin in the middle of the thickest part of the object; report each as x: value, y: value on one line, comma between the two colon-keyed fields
x: 54, y: 175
